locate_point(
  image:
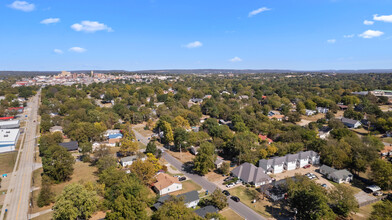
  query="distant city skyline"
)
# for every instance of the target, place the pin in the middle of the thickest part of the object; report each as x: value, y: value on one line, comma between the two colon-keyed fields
x: 43, y: 35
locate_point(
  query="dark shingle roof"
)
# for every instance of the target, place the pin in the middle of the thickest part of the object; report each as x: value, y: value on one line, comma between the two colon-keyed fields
x: 208, y: 209
x: 250, y: 173
x: 70, y: 146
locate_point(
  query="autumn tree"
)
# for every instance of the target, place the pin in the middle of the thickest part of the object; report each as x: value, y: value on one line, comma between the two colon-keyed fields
x: 144, y: 170
x: 204, y: 160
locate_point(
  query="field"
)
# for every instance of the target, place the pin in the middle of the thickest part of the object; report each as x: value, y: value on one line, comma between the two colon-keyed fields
x: 46, y: 216
x: 187, y: 186
x: 183, y: 156
x: 364, y: 212
x: 263, y: 207
x: 230, y: 214
x: 7, y: 162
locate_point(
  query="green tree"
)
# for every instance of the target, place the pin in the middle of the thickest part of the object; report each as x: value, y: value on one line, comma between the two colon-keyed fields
x: 343, y: 201
x: 204, y: 160
x: 174, y: 209
x: 217, y: 199
x: 106, y: 162
x: 382, y: 174
x: 382, y: 211
x: 144, y: 170
x: 128, y: 146
x: 58, y: 163
x: 180, y: 138
x: 168, y: 136
x: 151, y: 148
x: 75, y: 202
x: 46, y: 196
x: 225, y: 168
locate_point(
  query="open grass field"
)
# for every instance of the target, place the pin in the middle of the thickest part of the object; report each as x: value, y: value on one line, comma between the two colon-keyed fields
x: 230, y: 214
x: 187, y: 186
x: 7, y: 162
x: 263, y: 207
x: 47, y: 216
x: 364, y: 212
x: 183, y: 156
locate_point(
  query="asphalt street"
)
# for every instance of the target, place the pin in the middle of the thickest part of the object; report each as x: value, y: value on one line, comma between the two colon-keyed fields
x: 17, y: 198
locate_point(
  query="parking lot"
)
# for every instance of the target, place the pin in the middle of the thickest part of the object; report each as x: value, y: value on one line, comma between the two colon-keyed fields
x: 302, y: 171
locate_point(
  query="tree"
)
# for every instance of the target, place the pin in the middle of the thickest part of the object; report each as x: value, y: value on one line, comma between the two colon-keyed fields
x: 174, y: 209
x: 106, y: 162
x: 154, y: 161
x: 144, y: 170
x: 179, y: 121
x: 58, y: 163
x: 225, y: 168
x: 46, y: 196
x: 151, y: 148
x: 75, y: 202
x: 204, y: 160
x: 382, y: 174
x: 343, y: 201
x: 128, y: 146
x: 167, y: 133
x: 382, y: 211
x: 217, y: 199
x: 309, y: 200
x: 180, y: 137
x: 101, y: 151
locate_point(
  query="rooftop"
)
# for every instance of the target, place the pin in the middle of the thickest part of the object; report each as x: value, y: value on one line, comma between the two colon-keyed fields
x: 8, y: 135
x: 164, y: 180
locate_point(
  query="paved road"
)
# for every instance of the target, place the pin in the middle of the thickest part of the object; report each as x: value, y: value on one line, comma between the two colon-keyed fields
x: 17, y: 197
x: 238, y: 207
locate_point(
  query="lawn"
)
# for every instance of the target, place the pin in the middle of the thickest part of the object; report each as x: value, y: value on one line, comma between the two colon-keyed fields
x: 7, y: 162
x: 387, y: 140
x: 46, y: 216
x: 230, y: 214
x: 364, y: 212
x: 263, y: 207
x: 187, y: 186
x: 183, y: 156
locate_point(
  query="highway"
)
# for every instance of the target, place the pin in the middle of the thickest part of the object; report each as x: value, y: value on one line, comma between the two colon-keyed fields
x: 240, y: 208
x: 17, y: 198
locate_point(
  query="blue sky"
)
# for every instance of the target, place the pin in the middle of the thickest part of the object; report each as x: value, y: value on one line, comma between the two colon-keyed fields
x: 166, y: 34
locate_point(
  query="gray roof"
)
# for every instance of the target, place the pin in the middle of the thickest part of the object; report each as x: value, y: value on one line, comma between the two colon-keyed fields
x: 129, y: 158
x: 250, y: 173
x: 304, y: 155
x: 349, y: 121
x: 327, y: 169
x: 267, y: 162
x: 279, y: 160
x: 341, y: 174
x: 70, y: 146
x: 291, y: 158
x: 188, y: 197
x: 218, y: 160
x: 313, y: 154
x: 202, y: 212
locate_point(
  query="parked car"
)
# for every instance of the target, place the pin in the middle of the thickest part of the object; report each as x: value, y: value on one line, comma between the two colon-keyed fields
x: 235, y: 198
x: 378, y: 193
x: 227, y: 179
x: 226, y: 192
x: 307, y: 166
x: 324, y: 185
x: 183, y: 178
x: 230, y: 185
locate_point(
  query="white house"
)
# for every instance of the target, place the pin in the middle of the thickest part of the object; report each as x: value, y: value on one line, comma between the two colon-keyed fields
x: 309, y: 112
x: 291, y: 162
x: 314, y: 158
x: 322, y: 110
x: 273, y: 165
x: 166, y: 184
x: 128, y: 161
x: 351, y: 123
x: 303, y: 158
x: 338, y: 176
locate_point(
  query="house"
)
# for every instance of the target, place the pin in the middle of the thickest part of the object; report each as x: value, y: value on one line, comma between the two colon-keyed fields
x: 310, y: 112
x: 277, y: 117
x: 191, y: 199
x: 70, y: 146
x: 56, y: 129
x: 251, y: 174
x: 193, y: 150
x: 314, y: 158
x: 351, y: 123
x: 303, y: 158
x: 166, y: 184
x: 387, y: 151
x: 291, y: 161
x: 342, y: 107
x: 265, y: 138
x: 202, y: 212
x: 243, y: 97
x: 196, y: 100
x: 218, y: 162
x: 273, y: 165
x: 338, y: 176
x: 272, y: 113
x: 324, y: 132
x: 111, y: 132
x: 12, y: 124
x: 322, y: 110
x: 128, y: 161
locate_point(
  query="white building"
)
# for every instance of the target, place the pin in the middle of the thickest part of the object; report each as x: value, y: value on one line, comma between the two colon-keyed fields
x: 8, y: 139
x: 9, y: 124
x: 166, y: 184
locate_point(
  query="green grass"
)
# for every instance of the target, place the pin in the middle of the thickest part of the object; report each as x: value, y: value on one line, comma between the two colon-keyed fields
x: 7, y: 162
x: 187, y: 186
x: 46, y: 216
x: 387, y: 140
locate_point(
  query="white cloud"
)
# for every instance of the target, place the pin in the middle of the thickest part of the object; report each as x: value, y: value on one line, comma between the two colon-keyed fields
x: 77, y: 49
x: 91, y: 26
x: 349, y: 36
x: 366, y: 22
x: 235, y: 59
x: 370, y: 34
x: 258, y: 11
x: 194, y: 44
x: 50, y: 20
x: 58, y: 51
x: 331, y: 41
x: 22, y: 6
x: 384, y: 18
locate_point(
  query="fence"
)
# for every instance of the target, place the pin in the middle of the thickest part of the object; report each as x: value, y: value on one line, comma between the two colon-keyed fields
x: 372, y: 201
